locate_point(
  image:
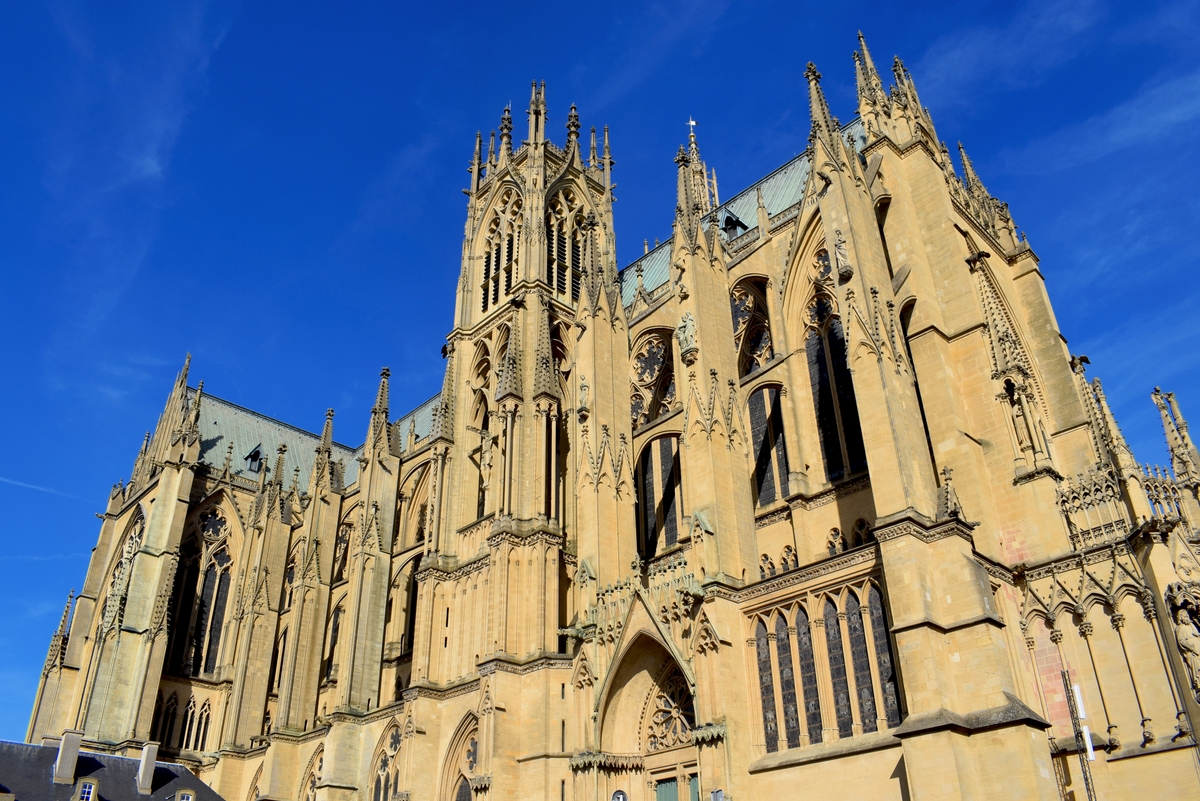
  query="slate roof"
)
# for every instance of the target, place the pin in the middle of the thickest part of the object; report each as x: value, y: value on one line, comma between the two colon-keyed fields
x: 781, y: 189
x: 422, y: 416
x: 222, y: 422
x: 27, y: 771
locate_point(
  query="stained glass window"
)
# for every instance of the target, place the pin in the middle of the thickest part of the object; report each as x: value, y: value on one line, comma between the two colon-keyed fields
x: 862, y: 664
x: 837, y: 671
x: 883, y: 656
x: 808, y: 677
x: 787, y: 683
x: 766, y: 687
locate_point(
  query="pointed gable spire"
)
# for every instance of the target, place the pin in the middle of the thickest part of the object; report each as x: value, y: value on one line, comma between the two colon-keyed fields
x: 477, y: 162
x: 593, y: 161
x: 545, y: 376
x: 508, y: 384
x: 280, y: 459
x: 974, y: 185
x: 607, y: 161
x: 691, y: 192
x: 871, y: 95
x: 822, y: 121
x: 506, y: 126
x: 1184, y: 459
x: 1114, y: 440
x: 442, y: 426
x: 377, y: 433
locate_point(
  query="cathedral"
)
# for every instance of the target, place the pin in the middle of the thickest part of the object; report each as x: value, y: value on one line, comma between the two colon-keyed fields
x: 812, y: 494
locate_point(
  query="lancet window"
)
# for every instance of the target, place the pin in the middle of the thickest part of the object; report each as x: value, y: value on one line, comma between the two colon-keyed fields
x: 564, y: 244
x: 210, y: 612
x: 118, y: 585
x: 501, y: 250
x: 751, y: 325
x: 770, y: 451
x: 833, y: 392
x: 278, y: 663
x: 659, y: 496
x: 183, y: 602
x: 652, y: 391
x: 854, y: 670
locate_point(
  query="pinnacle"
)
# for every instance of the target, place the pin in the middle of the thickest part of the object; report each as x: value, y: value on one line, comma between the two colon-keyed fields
x: 811, y: 74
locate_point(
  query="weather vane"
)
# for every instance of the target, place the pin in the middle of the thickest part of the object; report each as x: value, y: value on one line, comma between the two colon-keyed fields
x: 691, y: 126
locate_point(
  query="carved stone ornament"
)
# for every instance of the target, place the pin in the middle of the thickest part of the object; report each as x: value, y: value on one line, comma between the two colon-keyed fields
x: 685, y: 333
x: 845, y: 270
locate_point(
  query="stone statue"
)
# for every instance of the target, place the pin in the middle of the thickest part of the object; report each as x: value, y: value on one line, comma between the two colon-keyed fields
x: 1188, y: 641
x: 583, y: 392
x: 844, y: 269
x: 485, y: 457
x: 686, y: 332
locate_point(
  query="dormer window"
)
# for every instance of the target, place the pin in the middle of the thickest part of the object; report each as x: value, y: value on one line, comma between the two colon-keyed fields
x: 254, y: 459
x: 185, y: 795
x: 87, y: 791
x: 733, y: 227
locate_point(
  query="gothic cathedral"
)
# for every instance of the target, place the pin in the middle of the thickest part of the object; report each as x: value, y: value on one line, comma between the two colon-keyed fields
x: 810, y: 495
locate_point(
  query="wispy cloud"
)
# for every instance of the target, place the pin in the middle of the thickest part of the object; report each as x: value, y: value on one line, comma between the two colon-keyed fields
x: 23, y: 485
x: 1156, y: 113
x: 1038, y: 37
x: 664, y: 28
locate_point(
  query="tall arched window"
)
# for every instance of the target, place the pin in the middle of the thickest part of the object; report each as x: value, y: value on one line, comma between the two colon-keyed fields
x: 833, y: 392
x: 766, y: 687
x: 167, y: 728
x: 564, y: 244
x: 787, y: 682
x: 808, y: 677
x: 883, y: 657
x: 464, y: 791
x: 210, y: 615
x: 501, y: 249
x: 862, y: 664
x: 278, y: 661
x: 183, y: 602
x: 751, y: 325
x: 652, y: 393
x: 659, y: 496
x: 188, y: 730
x: 200, y: 740
x: 837, y: 670
x: 770, y: 451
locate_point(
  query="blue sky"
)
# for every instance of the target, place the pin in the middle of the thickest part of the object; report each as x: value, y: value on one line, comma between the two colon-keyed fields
x: 275, y: 187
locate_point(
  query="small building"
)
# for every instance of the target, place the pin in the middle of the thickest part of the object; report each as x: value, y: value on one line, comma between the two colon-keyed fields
x: 58, y: 771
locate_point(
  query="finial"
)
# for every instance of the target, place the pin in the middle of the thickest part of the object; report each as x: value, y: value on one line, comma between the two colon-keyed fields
x: 607, y: 154
x: 811, y: 74
x: 645, y: 249
x: 592, y: 160
x: 572, y: 124
x: 492, y: 149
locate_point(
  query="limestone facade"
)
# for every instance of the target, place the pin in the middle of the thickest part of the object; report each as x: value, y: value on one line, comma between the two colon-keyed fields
x: 812, y: 494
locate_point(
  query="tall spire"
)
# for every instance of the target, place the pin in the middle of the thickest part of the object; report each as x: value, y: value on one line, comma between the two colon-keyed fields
x: 491, y: 158
x: 442, y: 426
x: 870, y: 87
x: 1184, y: 459
x: 476, y: 169
x: 592, y: 160
x: 379, y: 412
x: 537, y: 113
x: 822, y: 120
x: 545, y: 379
x: 572, y: 126
x: 281, y: 452
x: 506, y: 126
x: 508, y: 384
x: 608, y: 162
x: 974, y: 185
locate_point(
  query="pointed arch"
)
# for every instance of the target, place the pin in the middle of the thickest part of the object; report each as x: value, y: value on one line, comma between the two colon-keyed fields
x: 652, y: 390
x: 384, y: 777
x: 659, y: 504
x: 751, y: 324
x: 834, y: 401
x: 642, y: 660
x: 461, y: 757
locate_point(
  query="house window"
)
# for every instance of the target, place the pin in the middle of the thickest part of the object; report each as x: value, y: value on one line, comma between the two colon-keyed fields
x: 254, y: 459
x: 770, y: 451
x: 87, y: 791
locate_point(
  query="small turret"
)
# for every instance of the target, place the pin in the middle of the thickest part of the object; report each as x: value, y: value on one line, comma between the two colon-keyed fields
x: 1185, y: 462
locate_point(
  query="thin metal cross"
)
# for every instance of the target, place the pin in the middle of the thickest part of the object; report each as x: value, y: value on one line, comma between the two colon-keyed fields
x: 691, y: 126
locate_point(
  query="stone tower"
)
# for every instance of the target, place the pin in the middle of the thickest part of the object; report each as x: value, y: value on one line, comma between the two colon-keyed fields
x: 811, y: 494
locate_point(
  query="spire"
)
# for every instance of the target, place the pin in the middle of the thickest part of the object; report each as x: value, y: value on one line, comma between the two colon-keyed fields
x: 1118, y: 449
x: 592, y: 160
x: 442, y: 426
x: 509, y: 382
x: 691, y: 193
x: 377, y: 431
x: 608, y: 163
x: 537, y: 113
x: 506, y: 126
x: 1184, y: 459
x: 491, y: 159
x: 327, y: 432
x: 868, y: 62
x: 277, y: 477
x: 822, y: 120
x: 545, y: 378
x: 476, y: 169
x: 62, y: 623
x: 572, y: 126
x: 716, y: 195
x: 870, y: 87
x: 974, y: 185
